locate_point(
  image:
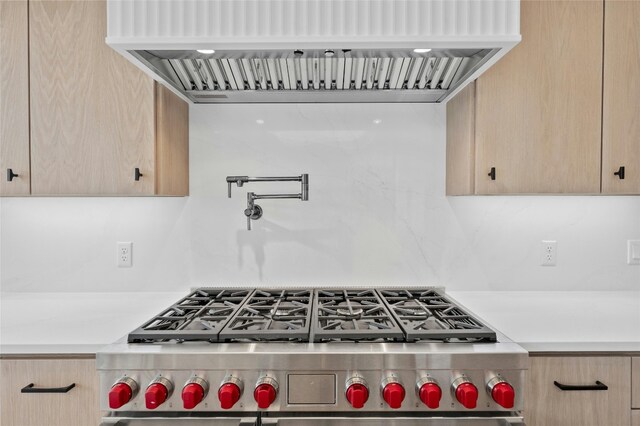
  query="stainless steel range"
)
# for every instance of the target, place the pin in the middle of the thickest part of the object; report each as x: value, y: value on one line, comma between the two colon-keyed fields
x: 314, y: 357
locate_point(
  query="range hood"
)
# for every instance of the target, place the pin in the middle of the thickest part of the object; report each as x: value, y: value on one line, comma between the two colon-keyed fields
x: 270, y: 51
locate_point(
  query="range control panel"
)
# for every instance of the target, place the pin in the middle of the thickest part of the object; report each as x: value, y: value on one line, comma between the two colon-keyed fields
x: 250, y: 391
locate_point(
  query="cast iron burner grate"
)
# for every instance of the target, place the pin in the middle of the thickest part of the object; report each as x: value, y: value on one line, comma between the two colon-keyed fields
x: 199, y: 316
x: 282, y: 315
x: 352, y: 315
x: 425, y: 314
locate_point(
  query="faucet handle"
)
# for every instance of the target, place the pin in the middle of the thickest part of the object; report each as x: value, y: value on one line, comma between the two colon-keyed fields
x: 238, y: 180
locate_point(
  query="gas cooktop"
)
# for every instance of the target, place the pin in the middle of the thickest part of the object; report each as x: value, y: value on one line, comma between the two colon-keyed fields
x: 326, y: 356
x: 322, y: 315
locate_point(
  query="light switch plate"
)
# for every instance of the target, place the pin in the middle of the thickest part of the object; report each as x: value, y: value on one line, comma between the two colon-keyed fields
x: 633, y: 252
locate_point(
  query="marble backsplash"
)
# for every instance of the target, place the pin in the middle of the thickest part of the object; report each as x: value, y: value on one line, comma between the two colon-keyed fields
x: 377, y: 215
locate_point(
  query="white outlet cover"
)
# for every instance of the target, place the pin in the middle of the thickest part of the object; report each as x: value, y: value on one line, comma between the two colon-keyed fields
x: 633, y: 252
x: 124, y: 252
x: 548, y: 252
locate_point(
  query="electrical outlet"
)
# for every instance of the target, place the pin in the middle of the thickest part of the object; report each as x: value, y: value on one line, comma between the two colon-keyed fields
x: 549, y: 253
x: 633, y: 252
x: 124, y: 254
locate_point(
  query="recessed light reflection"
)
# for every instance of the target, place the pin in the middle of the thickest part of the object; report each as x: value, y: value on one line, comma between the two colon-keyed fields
x: 260, y: 121
x: 377, y: 121
x: 206, y: 51
x: 422, y: 50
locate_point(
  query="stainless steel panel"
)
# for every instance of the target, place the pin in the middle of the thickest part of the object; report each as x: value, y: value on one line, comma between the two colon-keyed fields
x: 391, y: 421
x: 170, y: 421
x: 311, y: 389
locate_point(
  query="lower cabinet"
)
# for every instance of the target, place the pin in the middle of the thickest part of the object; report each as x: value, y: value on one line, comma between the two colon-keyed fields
x: 584, y: 400
x: 48, y: 403
x: 635, y: 418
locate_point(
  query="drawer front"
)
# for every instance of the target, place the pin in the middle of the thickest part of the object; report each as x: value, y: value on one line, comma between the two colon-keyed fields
x: 635, y: 418
x: 78, y: 406
x: 635, y: 382
x: 547, y: 405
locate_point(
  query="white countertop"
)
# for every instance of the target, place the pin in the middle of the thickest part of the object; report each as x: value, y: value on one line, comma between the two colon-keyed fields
x: 81, y: 323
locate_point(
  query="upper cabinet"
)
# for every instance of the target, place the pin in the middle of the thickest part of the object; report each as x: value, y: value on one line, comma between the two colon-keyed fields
x: 621, y: 111
x: 560, y: 113
x: 537, y: 113
x: 98, y: 125
x: 14, y: 98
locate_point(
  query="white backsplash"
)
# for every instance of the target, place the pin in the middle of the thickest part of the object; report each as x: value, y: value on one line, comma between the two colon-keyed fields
x: 377, y: 215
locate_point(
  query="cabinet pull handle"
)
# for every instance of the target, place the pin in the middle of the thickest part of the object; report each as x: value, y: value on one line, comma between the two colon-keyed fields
x: 31, y: 389
x: 620, y: 173
x: 137, y: 174
x: 492, y: 173
x: 11, y: 175
x: 599, y: 386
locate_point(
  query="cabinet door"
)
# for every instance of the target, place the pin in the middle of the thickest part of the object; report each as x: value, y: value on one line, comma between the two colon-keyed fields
x: 621, y: 110
x: 92, y: 112
x: 538, y: 110
x: 547, y: 405
x: 14, y: 97
x: 78, y: 407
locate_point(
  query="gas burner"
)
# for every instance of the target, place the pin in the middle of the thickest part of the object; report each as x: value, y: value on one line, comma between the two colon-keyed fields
x: 271, y: 315
x: 199, y: 316
x: 426, y: 314
x: 352, y: 315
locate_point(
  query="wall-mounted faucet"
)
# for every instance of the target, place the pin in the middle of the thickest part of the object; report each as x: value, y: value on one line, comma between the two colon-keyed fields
x: 254, y: 211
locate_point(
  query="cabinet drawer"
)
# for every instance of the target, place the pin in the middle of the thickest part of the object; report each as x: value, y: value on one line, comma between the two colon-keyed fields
x: 635, y: 418
x: 78, y: 406
x: 547, y: 405
x: 635, y: 382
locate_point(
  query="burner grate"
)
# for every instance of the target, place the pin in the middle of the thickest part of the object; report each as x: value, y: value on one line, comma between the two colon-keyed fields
x: 272, y: 315
x: 425, y: 314
x: 199, y: 316
x: 355, y: 315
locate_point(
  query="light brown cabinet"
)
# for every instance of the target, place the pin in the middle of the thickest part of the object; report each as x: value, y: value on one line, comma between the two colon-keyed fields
x: 635, y: 384
x: 635, y: 418
x: 538, y: 118
x: 621, y: 109
x: 536, y: 127
x: 77, y: 407
x: 98, y: 125
x: 14, y: 98
x: 547, y: 405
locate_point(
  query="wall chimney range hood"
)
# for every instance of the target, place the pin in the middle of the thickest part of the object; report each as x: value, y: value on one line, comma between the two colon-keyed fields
x: 270, y: 51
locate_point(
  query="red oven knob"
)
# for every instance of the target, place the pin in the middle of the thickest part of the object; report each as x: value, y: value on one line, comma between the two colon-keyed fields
x: 158, y: 392
x: 357, y: 395
x: 122, y: 392
x: 192, y: 395
x: 393, y: 394
x: 503, y: 394
x: 229, y: 394
x: 155, y: 395
x: 430, y: 394
x: 264, y: 394
x: 119, y: 395
x: 467, y: 394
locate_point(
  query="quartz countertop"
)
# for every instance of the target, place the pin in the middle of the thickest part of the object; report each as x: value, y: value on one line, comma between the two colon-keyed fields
x: 562, y: 321
x: 82, y: 323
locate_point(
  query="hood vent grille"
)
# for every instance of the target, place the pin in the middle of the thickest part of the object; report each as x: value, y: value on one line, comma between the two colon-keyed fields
x: 288, y: 75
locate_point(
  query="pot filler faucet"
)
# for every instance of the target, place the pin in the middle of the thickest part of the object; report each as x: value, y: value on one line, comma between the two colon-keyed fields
x: 254, y: 211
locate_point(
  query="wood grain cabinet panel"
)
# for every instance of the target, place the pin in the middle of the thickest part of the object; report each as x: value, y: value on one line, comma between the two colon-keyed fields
x: 78, y: 407
x: 461, y: 142
x: 14, y: 97
x: 621, y: 105
x: 538, y: 110
x: 95, y: 117
x: 635, y: 418
x: 547, y: 405
x: 92, y: 112
x: 635, y: 377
